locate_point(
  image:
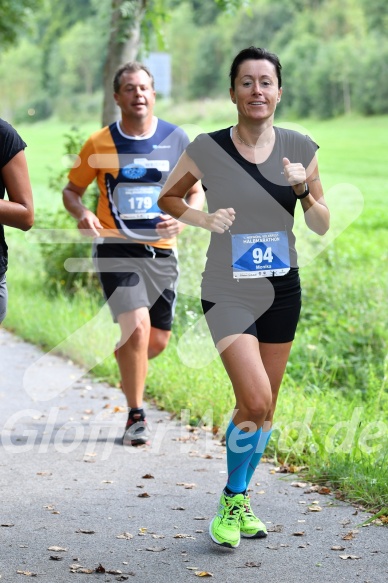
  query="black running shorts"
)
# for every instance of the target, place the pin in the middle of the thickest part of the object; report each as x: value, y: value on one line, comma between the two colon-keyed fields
x: 134, y: 276
x: 267, y: 308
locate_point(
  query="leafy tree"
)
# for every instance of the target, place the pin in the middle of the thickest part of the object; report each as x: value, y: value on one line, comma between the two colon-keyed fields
x: 57, y: 18
x: 376, y: 16
x: 14, y: 17
x: 133, y: 23
x: 20, y: 86
x: 261, y: 25
x: 371, y: 86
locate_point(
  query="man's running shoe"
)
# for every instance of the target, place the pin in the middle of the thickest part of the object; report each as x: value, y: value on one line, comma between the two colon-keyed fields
x: 250, y: 525
x: 137, y: 431
x: 224, y: 529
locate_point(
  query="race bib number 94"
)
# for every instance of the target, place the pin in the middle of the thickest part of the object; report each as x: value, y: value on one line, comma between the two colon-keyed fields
x: 260, y: 255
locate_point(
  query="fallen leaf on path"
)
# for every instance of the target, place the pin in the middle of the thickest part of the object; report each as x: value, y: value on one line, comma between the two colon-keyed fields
x: 85, y: 531
x: 100, y: 569
x: 118, y: 409
x: 178, y: 508
x: 157, y: 535
x: 57, y: 549
x: 350, y: 535
x: 125, y: 535
x: 7, y: 524
x: 200, y: 518
x: 184, y: 536
x: 148, y: 477
x: 289, y: 468
x: 311, y: 489
x: 45, y: 473
x: 27, y: 573
x: 156, y: 549
x: 203, y: 574
x: 275, y: 528
x: 337, y: 548
x: 143, y: 495
x: 349, y: 557
x: 55, y: 558
x: 302, y: 546
x: 249, y: 564
x: 299, y: 484
x: 315, y: 508
x: 272, y: 547
x: 298, y: 533
x: 324, y: 491
x: 188, y: 486
x: 76, y: 568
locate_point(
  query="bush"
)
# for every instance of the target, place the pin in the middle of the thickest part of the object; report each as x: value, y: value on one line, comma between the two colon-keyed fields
x: 35, y: 110
x: 55, y: 252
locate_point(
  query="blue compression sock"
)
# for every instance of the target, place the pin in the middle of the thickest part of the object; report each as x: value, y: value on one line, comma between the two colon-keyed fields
x: 240, y: 446
x: 256, y: 457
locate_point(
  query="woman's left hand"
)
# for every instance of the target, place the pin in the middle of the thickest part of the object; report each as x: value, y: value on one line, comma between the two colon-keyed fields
x: 295, y: 174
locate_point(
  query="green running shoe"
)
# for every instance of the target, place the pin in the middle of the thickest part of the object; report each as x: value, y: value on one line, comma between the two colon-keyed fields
x: 250, y: 525
x: 224, y: 529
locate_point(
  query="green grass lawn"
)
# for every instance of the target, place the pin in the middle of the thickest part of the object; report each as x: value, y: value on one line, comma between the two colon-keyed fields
x: 333, y: 409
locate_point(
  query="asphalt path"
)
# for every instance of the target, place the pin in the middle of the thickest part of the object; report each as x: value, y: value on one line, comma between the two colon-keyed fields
x: 78, y: 506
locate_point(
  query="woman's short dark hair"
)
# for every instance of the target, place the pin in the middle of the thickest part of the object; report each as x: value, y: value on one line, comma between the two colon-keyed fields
x: 130, y: 67
x: 254, y: 53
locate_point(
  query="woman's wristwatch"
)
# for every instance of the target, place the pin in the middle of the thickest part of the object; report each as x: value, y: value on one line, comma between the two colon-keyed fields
x: 305, y: 193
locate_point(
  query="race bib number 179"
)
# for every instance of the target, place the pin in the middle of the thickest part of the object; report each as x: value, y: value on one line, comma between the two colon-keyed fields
x: 138, y: 201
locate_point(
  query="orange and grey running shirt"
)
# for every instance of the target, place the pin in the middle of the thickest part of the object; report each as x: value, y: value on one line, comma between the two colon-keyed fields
x: 130, y: 173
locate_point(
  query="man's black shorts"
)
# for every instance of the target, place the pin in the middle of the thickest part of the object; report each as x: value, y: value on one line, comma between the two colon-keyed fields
x: 134, y: 276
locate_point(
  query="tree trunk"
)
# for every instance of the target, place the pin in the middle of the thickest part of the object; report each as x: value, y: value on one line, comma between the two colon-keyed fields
x: 124, y: 41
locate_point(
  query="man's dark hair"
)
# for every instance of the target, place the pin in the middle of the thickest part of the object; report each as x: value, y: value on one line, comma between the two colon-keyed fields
x: 131, y: 67
x: 254, y: 53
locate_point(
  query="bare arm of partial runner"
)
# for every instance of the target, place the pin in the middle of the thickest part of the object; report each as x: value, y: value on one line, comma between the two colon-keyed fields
x: 175, y: 199
x: 87, y: 221
x: 18, y: 210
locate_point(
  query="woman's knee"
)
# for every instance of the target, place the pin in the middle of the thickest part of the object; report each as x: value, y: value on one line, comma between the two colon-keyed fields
x: 255, y: 407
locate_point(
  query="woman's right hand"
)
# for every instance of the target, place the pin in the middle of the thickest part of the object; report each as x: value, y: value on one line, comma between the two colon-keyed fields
x: 219, y: 221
